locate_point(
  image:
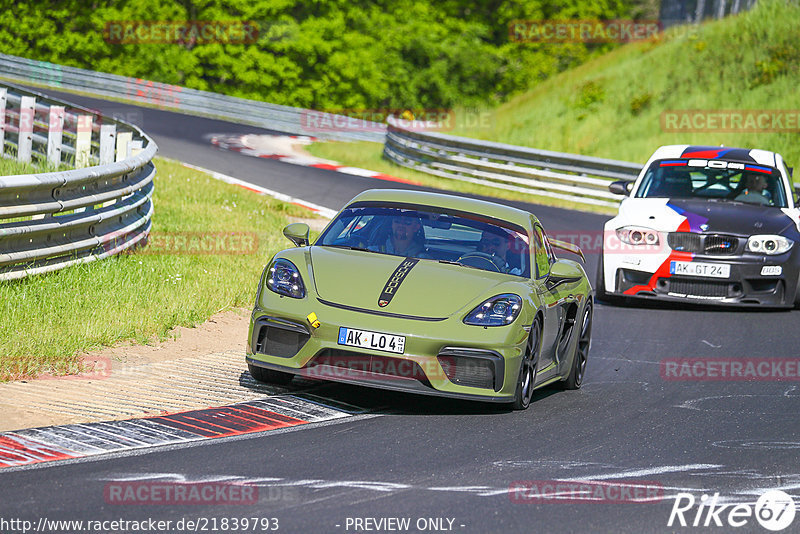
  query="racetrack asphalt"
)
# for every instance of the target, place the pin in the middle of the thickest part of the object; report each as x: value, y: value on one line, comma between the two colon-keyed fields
x: 427, y: 458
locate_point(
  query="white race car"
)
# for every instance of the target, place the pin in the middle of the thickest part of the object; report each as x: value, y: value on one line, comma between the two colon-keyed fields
x: 705, y: 224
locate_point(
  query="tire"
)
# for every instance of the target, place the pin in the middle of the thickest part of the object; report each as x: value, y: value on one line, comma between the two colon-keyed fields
x: 600, y: 285
x: 578, y: 368
x: 527, y: 368
x: 268, y: 376
x: 797, y: 294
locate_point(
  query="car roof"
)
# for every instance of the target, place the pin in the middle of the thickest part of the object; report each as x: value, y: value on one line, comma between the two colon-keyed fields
x: 456, y: 203
x: 726, y: 153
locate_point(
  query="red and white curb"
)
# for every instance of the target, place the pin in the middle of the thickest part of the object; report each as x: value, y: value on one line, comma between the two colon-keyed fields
x: 279, y: 147
x: 36, y: 445
x: 328, y: 213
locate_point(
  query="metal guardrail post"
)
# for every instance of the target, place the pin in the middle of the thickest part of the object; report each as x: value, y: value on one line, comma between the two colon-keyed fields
x: 108, y: 135
x: 25, y: 129
x: 83, y: 141
x: 124, y: 140
x: 3, y: 98
x: 55, y: 131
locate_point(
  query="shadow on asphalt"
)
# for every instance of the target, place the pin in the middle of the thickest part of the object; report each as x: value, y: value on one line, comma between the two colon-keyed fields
x: 373, y: 400
x: 668, y: 305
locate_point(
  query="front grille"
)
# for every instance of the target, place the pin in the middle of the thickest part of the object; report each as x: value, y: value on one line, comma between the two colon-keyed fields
x: 275, y: 341
x: 720, y: 245
x: 684, y: 241
x: 345, y: 360
x: 710, y: 244
x: 699, y: 288
x: 466, y: 371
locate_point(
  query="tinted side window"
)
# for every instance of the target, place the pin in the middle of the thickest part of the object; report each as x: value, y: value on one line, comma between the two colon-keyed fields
x: 541, y: 255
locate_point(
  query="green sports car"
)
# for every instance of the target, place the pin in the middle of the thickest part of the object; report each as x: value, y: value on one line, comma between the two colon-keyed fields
x: 426, y: 293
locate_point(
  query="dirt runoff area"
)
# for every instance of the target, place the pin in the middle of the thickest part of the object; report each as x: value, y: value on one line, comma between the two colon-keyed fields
x: 194, y: 368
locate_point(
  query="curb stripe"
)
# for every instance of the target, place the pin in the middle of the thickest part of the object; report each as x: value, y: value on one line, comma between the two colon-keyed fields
x: 36, y: 445
x: 235, y: 143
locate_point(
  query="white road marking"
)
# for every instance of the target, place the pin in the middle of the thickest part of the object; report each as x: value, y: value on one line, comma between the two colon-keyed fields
x: 328, y: 213
x: 634, y: 473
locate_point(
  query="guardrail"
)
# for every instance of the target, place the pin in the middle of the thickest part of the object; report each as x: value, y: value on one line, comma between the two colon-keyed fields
x: 572, y: 177
x: 256, y: 113
x: 52, y: 220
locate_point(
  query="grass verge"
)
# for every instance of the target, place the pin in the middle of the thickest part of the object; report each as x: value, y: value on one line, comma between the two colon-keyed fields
x: 10, y: 167
x: 50, y: 320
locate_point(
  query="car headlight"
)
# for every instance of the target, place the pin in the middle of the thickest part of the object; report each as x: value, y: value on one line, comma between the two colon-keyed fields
x: 500, y: 310
x: 637, y: 235
x: 768, y: 244
x: 284, y: 278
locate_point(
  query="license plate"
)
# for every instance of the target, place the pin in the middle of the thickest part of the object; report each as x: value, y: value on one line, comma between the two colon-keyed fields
x: 708, y: 270
x: 371, y: 340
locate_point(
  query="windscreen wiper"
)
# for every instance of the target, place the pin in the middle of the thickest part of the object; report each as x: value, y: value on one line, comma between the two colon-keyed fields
x: 454, y: 262
x: 348, y: 247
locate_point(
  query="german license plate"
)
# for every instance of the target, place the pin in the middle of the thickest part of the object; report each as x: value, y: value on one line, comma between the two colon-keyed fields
x: 371, y: 340
x: 707, y: 270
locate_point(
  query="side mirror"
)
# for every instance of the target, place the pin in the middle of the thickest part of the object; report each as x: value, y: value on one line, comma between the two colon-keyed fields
x: 563, y: 271
x: 297, y: 233
x: 621, y: 187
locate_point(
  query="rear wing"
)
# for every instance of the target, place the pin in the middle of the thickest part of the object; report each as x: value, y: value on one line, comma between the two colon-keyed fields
x: 569, y: 247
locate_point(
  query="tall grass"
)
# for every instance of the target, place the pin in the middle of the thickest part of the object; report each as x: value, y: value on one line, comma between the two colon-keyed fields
x: 611, y: 106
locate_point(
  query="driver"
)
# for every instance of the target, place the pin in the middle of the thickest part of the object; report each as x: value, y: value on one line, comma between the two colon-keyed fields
x: 405, y: 239
x: 497, y: 245
x: 754, y: 192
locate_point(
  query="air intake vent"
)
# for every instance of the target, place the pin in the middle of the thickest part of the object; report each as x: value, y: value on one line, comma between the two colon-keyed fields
x: 720, y: 245
x: 468, y: 371
x: 684, y: 241
x: 699, y: 288
x: 274, y: 340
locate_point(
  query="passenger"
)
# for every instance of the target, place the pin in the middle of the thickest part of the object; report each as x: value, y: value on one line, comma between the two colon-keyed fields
x: 405, y: 239
x: 754, y: 192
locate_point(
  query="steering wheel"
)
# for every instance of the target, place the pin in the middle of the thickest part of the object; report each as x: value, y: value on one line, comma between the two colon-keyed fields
x: 482, y: 260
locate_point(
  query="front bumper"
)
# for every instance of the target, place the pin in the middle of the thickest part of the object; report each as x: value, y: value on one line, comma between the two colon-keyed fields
x: 443, y: 357
x: 746, y: 285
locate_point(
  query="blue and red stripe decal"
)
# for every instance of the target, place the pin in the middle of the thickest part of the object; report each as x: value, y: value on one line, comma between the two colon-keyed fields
x: 757, y: 168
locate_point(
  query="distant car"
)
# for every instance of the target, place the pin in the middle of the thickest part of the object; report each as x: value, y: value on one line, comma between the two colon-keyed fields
x: 705, y: 224
x: 424, y: 293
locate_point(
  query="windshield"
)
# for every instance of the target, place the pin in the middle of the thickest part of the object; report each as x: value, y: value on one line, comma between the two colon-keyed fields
x: 429, y: 233
x: 686, y: 178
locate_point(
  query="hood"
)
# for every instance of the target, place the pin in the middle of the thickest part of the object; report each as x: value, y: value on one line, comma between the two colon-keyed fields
x: 428, y: 289
x: 698, y: 215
